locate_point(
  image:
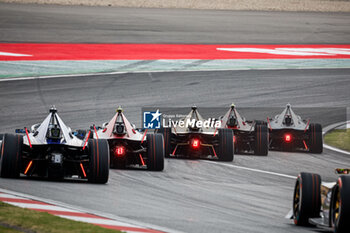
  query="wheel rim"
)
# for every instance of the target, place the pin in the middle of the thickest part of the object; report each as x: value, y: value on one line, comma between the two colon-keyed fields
x: 296, y: 202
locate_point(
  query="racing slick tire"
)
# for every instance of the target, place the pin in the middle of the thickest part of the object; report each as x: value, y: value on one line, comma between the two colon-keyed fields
x: 167, y: 141
x: 340, y: 205
x: 155, y: 152
x: 98, y: 151
x: 307, y: 198
x: 11, y: 156
x: 315, y: 133
x: 226, y: 146
x: 261, y: 139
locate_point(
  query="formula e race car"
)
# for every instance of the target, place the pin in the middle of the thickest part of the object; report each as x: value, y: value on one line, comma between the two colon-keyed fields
x: 129, y: 147
x: 194, y: 137
x: 322, y: 204
x: 50, y: 150
x: 249, y: 136
x: 289, y: 132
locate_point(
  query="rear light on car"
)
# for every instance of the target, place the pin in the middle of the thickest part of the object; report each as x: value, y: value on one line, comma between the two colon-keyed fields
x: 287, y: 138
x: 234, y: 139
x: 28, y: 167
x: 119, y: 151
x: 195, y: 143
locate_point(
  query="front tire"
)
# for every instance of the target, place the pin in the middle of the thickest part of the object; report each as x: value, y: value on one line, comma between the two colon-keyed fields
x: 99, y: 161
x: 316, y: 143
x: 11, y: 156
x: 340, y: 205
x: 226, y: 147
x: 307, y: 198
x: 155, y: 152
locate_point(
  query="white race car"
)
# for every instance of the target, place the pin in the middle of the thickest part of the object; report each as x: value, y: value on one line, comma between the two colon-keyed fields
x: 50, y: 150
x: 129, y: 147
x: 289, y: 132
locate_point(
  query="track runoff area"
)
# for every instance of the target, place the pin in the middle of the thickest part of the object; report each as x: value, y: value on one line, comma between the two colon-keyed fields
x: 18, y: 60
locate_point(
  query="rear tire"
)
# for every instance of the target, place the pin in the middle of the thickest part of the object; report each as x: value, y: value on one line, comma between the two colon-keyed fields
x: 261, y: 139
x: 155, y: 152
x: 226, y: 147
x: 316, y: 143
x: 167, y: 141
x: 307, y: 198
x: 340, y: 205
x: 99, y: 161
x: 11, y: 156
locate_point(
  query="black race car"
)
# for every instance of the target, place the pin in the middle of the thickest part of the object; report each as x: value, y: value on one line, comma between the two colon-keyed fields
x: 195, y: 137
x: 250, y: 137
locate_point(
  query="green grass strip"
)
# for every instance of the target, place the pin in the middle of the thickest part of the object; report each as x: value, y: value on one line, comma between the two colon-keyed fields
x: 40, y: 222
x: 339, y: 138
x: 7, y: 230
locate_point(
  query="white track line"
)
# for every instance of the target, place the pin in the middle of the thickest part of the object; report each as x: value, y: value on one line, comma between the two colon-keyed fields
x: 252, y: 169
x: 7, y: 195
x: 15, y: 54
x: 39, y: 206
x: 97, y: 221
x: 335, y: 149
x: 331, y: 127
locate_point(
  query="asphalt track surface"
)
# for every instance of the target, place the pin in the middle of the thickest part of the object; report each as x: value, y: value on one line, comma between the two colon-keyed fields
x: 190, y: 195
x: 42, y: 23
